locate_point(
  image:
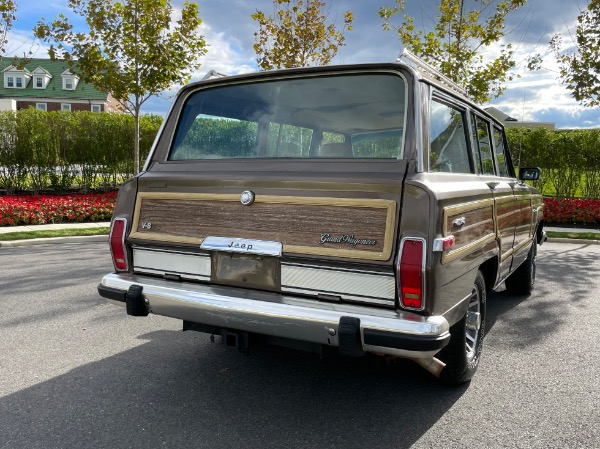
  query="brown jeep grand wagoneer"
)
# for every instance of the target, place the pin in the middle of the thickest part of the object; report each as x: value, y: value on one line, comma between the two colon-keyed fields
x: 367, y: 208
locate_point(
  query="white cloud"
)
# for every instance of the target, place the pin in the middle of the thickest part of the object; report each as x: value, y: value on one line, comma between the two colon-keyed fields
x: 22, y: 43
x: 224, y: 54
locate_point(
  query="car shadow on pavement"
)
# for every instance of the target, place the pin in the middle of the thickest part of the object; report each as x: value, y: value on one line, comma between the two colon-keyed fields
x: 528, y: 319
x: 178, y: 390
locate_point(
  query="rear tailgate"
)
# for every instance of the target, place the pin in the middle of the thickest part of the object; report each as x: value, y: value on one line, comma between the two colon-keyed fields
x: 337, y: 236
x: 282, y: 183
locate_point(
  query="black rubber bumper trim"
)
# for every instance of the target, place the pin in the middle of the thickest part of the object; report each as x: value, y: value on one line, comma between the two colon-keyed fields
x: 385, y: 339
x: 112, y: 293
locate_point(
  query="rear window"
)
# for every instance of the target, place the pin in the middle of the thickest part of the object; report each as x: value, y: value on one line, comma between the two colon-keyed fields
x: 336, y: 116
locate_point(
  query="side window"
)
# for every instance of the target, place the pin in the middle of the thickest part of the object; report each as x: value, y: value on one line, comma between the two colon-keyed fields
x: 501, y: 153
x: 213, y: 137
x: 448, y: 150
x: 482, y: 137
x: 288, y: 141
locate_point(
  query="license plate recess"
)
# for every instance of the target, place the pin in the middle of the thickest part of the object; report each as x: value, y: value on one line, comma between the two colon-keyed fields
x: 246, y: 270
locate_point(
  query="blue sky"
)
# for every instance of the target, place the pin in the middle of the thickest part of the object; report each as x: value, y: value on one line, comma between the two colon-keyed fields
x: 228, y: 29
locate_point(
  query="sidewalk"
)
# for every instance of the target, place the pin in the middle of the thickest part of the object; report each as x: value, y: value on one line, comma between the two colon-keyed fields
x: 52, y: 227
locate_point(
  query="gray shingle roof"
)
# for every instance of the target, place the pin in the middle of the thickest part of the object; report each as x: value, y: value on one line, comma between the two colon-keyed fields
x: 54, y: 90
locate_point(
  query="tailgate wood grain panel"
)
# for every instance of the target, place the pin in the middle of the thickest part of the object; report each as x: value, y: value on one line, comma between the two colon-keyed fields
x: 299, y: 223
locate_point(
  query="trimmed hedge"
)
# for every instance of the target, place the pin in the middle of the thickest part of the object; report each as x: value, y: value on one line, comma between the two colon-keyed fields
x: 64, y: 150
x: 570, y: 159
x: 61, y: 151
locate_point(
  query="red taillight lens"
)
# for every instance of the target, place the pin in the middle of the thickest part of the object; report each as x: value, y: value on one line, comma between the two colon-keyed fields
x: 411, y: 270
x: 117, y: 243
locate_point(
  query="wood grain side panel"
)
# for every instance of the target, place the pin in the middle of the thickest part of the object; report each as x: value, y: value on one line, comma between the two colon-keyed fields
x: 507, y: 216
x: 296, y: 222
x: 478, y: 227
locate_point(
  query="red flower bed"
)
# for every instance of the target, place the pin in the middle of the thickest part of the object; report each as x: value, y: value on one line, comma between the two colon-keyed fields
x: 571, y: 210
x: 42, y: 209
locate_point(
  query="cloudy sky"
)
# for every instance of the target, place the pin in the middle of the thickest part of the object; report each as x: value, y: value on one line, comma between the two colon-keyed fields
x: 229, y: 31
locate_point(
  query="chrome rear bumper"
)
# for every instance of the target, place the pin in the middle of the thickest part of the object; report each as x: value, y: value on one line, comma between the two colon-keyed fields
x: 381, y: 331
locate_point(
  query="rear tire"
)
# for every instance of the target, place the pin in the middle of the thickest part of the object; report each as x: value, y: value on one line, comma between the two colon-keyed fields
x: 463, y: 351
x: 521, y: 282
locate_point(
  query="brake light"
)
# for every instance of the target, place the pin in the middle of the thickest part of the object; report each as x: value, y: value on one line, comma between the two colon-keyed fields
x: 117, y: 243
x: 411, y: 270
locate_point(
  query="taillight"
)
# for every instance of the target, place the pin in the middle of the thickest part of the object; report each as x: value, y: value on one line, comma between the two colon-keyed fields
x: 411, y: 271
x: 117, y: 243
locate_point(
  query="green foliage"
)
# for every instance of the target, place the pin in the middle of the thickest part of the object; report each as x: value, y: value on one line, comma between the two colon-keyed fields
x: 458, y: 41
x: 8, y: 9
x: 61, y: 150
x: 570, y: 159
x: 131, y: 50
x: 297, y: 35
x: 580, y: 70
x: 218, y: 138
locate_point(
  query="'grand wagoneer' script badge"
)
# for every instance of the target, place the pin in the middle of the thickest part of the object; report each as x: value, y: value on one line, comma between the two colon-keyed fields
x: 349, y: 239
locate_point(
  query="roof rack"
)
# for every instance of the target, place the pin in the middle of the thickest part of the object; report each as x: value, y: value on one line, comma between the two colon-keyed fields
x: 212, y: 74
x: 428, y: 71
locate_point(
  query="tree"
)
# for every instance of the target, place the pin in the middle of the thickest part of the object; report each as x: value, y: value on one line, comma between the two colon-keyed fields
x: 580, y: 70
x: 132, y: 49
x: 459, y: 41
x: 8, y: 10
x: 298, y: 35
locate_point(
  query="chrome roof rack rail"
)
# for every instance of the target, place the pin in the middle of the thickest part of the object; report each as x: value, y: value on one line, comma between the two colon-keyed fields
x: 213, y: 74
x: 428, y: 71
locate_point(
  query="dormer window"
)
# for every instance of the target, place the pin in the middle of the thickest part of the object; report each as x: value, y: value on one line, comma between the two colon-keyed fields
x: 15, y: 78
x: 69, y: 80
x: 41, y: 78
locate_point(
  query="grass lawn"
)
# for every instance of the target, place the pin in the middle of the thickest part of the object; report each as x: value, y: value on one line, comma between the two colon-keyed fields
x: 55, y: 233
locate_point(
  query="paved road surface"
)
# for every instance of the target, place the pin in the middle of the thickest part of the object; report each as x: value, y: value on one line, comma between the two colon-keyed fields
x: 78, y: 373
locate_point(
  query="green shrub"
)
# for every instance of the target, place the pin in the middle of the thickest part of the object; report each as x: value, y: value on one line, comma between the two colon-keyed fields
x: 65, y: 150
x: 570, y: 159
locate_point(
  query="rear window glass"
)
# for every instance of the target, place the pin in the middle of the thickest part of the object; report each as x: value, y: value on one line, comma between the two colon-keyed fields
x: 341, y: 116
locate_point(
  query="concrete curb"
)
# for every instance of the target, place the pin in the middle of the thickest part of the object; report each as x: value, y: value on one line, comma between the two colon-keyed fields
x: 564, y: 240
x: 54, y: 240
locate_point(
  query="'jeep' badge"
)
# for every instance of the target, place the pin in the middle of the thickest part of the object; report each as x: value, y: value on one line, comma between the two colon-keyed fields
x: 247, y: 197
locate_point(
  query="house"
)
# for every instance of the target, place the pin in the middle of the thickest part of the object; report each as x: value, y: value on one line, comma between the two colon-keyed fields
x: 511, y: 122
x: 49, y: 86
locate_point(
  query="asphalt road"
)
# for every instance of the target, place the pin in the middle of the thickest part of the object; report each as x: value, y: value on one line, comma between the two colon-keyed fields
x: 76, y: 372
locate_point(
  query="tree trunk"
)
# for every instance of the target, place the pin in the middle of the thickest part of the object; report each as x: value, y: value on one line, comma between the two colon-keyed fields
x: 136, y: 143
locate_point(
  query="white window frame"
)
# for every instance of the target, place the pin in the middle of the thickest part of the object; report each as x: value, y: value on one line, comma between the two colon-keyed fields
x: 96, y: 108
x: 42, y: 106
x: 19, y: 80
x: 10, y: 82
x: 39, y: 79
x: 68, y: 80
x: 65, y: 107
